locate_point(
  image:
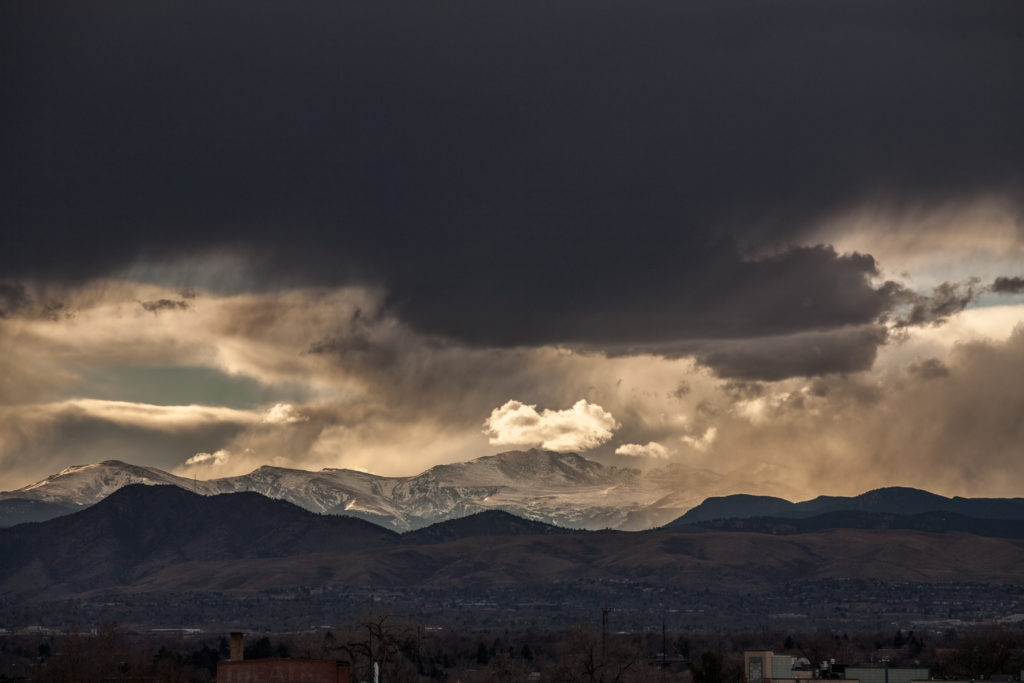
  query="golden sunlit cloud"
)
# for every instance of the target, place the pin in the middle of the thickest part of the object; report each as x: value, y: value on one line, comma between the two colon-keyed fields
x: 217, y: 458
x: 651, y: 449
x: 143, y: 416
x: 580, y: 428
x: 704, y: 441
x: 928, y: 245
x: 283, y: 414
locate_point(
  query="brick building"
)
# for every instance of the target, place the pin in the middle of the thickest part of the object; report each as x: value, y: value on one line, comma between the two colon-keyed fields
x: 279, y: 670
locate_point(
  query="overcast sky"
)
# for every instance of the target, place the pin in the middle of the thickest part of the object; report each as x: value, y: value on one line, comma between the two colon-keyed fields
x: 774, y: 237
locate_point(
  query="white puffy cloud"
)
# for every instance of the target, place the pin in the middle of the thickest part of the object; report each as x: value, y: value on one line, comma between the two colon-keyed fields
x: 215, y: 458
x: 653, y: 449
x: 582, y: 427
x: 283, y: 414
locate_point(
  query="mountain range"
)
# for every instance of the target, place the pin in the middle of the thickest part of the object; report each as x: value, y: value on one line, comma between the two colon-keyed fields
x: 562, y: 489
x: 557, y: 488
x: 893, y: 500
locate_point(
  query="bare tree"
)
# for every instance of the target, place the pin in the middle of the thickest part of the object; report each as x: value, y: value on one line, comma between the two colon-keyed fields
x: 981, y: 654
x: 585, y: 660
x: 379, y: 638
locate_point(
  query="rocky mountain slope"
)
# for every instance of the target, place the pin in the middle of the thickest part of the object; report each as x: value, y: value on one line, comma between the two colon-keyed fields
x: 932, y: 522
x: 139, y: 530
x: 166, y: 539
x: 891, y: 500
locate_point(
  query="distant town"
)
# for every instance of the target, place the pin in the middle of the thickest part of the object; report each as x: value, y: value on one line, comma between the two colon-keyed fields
x: 386, y: 646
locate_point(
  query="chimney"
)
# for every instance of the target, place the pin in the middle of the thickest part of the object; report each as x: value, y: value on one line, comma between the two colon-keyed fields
x: 237, y: 651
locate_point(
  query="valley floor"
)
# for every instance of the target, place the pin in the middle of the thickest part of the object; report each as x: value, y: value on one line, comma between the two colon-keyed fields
x: 835, y: 605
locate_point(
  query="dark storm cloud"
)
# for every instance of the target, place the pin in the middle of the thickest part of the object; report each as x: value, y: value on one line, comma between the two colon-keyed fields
x: 510, y: 173
x: 743, y: 390
x: 681, y: 390
x: 13, y: 298
x: 158, y: 305
x: 914, y: 309
x: 725, y: 295
x: 930, y: 368
x: 1008, y: 285
x: 803, y: 355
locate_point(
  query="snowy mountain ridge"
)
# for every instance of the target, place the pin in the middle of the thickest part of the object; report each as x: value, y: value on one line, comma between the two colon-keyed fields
x: 560, y: 488
x: 565, y: 489
x: 87, y: 484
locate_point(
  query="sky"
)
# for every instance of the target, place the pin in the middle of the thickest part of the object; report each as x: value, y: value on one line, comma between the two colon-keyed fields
x: 783, y: 239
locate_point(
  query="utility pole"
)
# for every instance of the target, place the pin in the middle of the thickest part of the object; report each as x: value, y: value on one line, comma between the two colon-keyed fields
x: 664, y: 649
x: 604, y: 631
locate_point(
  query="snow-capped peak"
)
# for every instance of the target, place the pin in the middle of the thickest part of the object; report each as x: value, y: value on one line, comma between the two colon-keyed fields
x: 559, y: 488
x: 88, y: 484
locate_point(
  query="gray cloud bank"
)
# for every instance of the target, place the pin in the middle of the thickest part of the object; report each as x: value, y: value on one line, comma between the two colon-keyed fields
x: 13, y: 298
x: 1008, y: 285
x: 803, y: 355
